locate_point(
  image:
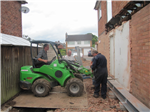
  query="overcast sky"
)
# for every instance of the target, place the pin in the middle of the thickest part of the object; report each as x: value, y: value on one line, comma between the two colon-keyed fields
x: 51, y: 19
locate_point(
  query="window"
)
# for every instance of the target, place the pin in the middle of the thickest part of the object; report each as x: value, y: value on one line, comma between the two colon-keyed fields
x: 78, y: 42
x: 109, y: 10
x: 86, y: 42
x: 100, y: 11
x: 71, y: 43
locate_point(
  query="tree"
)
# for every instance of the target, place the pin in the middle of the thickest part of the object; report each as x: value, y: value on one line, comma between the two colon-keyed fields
x: 63, y: 52
x: 94, y: 39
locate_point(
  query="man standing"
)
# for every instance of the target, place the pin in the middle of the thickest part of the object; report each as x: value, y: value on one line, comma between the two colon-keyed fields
x: 42, y: 56
x: 69, y: 56
x: 93, y: 79
x: 99, y: 66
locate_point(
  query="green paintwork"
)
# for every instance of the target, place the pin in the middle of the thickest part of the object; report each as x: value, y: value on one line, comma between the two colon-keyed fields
x: 46, y: 69
x: 50, y: 70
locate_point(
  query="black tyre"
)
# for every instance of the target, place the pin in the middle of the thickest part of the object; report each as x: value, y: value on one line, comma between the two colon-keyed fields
x: 41, y: 87
x: 74, y: 87
x: 79, y: 76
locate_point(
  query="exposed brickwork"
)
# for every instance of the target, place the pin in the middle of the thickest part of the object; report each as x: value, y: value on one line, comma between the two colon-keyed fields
x: 103, y: 20
x: 117, y: 6
x: 11, y: 21
x: 140, y: 48
x: 140, y: 55
x: 104, y: 48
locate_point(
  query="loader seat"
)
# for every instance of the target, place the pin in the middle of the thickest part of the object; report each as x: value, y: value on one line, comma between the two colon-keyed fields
x: 36, y: 63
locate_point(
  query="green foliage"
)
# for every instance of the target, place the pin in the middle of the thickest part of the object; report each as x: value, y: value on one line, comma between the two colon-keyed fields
x: 63, y: 52
x: 94, y: 39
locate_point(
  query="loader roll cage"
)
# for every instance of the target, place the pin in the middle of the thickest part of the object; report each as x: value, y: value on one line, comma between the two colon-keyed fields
x: 52, y: 44
x: 43, y: 41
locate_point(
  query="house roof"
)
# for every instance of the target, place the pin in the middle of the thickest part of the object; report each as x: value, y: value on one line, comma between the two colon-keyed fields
x: 10, y: 40
x: 22, y: 2
x: 79, y: 37
x: 97, y: 4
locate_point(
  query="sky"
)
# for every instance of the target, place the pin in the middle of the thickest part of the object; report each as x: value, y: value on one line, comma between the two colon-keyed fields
x: 52, y: 19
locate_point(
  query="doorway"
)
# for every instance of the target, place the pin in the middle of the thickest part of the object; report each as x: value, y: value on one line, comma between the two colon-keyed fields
x: 112, y: 56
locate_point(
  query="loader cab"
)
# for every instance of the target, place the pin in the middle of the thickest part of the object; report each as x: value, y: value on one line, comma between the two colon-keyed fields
x: 37, y: 45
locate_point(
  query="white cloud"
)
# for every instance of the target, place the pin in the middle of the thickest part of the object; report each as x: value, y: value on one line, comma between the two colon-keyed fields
x: 50, y: 20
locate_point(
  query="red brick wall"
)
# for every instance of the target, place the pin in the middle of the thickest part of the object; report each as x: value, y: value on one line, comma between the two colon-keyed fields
x: 140, y: 55
x: 11, y: 21
x: 140, y: 48
x: 117, y: 6
x: 103, y: 20
x: 104, y: 48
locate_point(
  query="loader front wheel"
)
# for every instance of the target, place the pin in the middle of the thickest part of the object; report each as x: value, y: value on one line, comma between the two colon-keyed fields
x: 41, y: 87
x: 74, y: 87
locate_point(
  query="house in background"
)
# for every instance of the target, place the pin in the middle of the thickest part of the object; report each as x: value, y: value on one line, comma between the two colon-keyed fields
x: 123, y: 37
x: 83, y: 41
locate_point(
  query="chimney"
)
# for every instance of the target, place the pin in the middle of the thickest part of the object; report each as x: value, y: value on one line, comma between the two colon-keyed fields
x: 66, y: 35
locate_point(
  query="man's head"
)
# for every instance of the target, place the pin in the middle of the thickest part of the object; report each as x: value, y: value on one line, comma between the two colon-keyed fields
x: 94, y: 52
x: 46, y: 47
x: 69, y: 53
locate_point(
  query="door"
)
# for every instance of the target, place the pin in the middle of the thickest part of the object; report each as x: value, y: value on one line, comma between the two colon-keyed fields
x: 112, y: 56
x: 122, y: 55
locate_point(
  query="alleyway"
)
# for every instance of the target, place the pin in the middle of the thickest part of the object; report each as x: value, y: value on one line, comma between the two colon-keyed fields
x: 94, y: 104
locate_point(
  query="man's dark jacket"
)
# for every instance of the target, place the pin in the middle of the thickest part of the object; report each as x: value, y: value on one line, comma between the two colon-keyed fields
x: 99, y: 66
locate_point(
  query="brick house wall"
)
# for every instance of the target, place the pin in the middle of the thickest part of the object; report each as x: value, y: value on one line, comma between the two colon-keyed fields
x: 117, y: 6
x: 104, y: 47
x: 139, y: 34
x: 140, y: 55
x: 11, y: 21
x: 103, y: 20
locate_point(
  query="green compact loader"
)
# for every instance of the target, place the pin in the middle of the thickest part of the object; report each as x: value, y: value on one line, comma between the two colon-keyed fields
x: 58, y: 72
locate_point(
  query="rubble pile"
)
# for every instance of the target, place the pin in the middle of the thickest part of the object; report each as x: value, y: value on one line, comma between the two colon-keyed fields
x: 95, y: 104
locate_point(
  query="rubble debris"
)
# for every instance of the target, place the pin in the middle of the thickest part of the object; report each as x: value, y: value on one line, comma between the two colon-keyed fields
x: 111, y: 95
x: 94, y: 104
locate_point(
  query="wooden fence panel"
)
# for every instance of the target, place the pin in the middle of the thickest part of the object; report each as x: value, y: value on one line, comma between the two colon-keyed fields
x: 12, y: 59
x: 1, y: 84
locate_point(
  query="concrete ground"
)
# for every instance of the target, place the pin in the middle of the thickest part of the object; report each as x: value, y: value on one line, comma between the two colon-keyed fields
x: 110, y: 104
x: 94, y: 104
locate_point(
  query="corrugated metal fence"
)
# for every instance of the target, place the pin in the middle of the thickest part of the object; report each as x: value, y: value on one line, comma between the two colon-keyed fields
x: 12, y: 59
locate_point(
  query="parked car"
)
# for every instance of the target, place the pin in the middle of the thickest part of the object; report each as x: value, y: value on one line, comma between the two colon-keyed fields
x: 89, y: 53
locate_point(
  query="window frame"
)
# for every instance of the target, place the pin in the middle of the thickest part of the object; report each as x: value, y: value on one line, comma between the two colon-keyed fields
x: 99, y: 12
x: 71, y: 43
x: 86, y: 43
x: 109, y: 10
x: 78, y: 43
